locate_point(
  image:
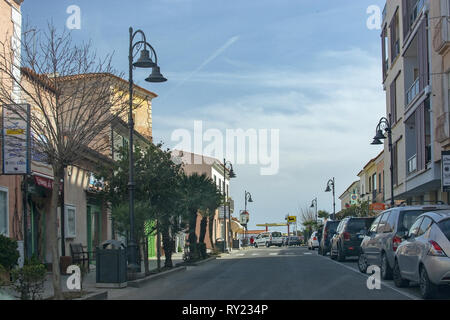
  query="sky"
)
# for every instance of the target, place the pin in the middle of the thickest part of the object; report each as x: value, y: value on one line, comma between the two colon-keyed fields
x: 308, y: 68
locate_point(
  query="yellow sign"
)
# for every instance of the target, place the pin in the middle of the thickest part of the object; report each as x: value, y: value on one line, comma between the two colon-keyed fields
x: 15, y: 131
x: 292, y: 219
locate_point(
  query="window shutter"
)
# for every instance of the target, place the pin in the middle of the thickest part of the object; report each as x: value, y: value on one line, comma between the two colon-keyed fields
x: 393, y: 102
x: 383, y: 48
x: 405, y: 12
x: 392, y: 27
x: 422, y: 55
x: 420, y: 136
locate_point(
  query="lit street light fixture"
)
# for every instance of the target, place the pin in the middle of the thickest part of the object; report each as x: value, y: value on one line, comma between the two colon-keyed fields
x: 314, y: 205
x: 385, y: 125
x: 144, y: 61
x: 225, y: 195
x: 328, y: 189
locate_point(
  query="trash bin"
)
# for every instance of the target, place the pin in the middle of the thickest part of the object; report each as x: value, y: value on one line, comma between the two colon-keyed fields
x: 111, y: 265
x: 219, y: 245
x: 236, y: 244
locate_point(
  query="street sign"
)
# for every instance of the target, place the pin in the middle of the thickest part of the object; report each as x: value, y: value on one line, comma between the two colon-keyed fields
x: 16, y: 139
x: 292, y: 219
x: 244, y: 218
x: 445, y: 171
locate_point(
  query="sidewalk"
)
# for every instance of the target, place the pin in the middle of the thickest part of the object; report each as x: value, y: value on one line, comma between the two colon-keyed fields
x: 90, y: 280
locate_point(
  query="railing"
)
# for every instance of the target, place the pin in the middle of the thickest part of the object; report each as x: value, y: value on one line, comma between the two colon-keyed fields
x: 441, y: 35
x: 416, y: 11
x: 412, y: 92
x: 412, y: 164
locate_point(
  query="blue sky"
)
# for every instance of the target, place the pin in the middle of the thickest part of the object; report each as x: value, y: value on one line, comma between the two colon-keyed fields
x: 310, y: 68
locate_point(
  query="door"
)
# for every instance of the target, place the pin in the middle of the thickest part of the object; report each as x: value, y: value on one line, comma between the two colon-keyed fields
x: 368, y: 244
x: 409, y: 250
x: 94, y: 228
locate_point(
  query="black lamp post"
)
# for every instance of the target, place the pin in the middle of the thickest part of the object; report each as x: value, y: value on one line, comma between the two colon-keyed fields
x: 385, y: 125
x: 225, y: 195
x: 314, y: 205
x: 248, y: 197
x: 144, y: 61
x: 328, y: 189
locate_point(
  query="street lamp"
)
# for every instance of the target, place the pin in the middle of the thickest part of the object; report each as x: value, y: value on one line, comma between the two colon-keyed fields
x: 231, y: 175
x: 331, y: 183
x: 385, y: 125
x: 144, y: 61
x: 314, y: 204
x: 248, y: 197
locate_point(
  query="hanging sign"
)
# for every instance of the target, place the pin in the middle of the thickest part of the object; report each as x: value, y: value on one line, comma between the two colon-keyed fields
x: 16, y: 139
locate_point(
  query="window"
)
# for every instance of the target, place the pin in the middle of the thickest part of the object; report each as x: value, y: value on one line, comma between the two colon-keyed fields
x: 424, y: 226
x: 415, y: 227
x: 445, y: 228
x: 374, y: 182
x: 407, y: 218
x: 374, y: 226
x: 4, y: 216
x: 370, y: 184
x: 379, y: 182
x: 71, y: 221
x: 383, y: 226
x: 395, y: 164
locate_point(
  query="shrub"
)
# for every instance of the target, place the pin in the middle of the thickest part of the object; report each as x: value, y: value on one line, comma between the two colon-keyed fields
x: 8, y: 252
x: 29, y: 280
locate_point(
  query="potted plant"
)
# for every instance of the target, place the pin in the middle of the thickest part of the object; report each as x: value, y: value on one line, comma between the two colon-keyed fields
x: 8, y: 258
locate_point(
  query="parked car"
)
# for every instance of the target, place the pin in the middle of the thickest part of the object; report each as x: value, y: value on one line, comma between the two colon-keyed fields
x: 424, y: 255
x: 347, y: 239
x: 313, y: 241
x: 328, y: 230
x: 293, y: 241
x: 267, y: 239
x: 385, y: 235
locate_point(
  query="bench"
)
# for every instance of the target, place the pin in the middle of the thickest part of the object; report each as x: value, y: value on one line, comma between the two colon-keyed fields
x: 79, y: 254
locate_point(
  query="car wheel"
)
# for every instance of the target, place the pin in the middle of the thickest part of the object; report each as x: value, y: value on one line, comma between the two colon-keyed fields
x: 397, y: 276
x: 428, y: 290
x: 340, y: 255
x: 256, y: 246
x: 267, y: 245
x: 386, y: 270
x: 362, y: 263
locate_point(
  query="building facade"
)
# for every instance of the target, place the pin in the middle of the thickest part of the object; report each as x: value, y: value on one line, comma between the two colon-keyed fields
x: 414, y: 78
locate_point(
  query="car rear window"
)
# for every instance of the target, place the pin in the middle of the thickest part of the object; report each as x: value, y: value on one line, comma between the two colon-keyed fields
x: 276, y: 234
x: 445, y: 227
x: 356, y: 225
x: 332, y: 226
x: 407, y: 219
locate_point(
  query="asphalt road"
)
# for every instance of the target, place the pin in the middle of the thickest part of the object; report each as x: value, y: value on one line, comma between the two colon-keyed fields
x: 270, y: 274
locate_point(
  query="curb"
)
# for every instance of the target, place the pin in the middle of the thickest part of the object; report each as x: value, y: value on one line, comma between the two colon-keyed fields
x: 102, y: 295
x: 138, y: 283
x: 197, y: 263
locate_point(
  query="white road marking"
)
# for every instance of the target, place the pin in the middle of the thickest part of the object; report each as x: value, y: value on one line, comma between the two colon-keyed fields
x: 367, y: 276
x: 255, y: 254
x: 273, y: 254
x: 307, y: 253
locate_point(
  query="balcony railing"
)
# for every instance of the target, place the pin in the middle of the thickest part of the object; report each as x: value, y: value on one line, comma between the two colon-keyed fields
x: 441, y: 38
x: 412, y: 92
x: 416, y: 11
x: 412, y: 164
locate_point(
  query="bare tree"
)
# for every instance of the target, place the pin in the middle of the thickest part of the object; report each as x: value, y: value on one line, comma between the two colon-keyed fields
x: 74, y: 97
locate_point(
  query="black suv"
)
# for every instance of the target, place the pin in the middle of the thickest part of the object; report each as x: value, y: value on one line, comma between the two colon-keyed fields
x: 349, y: 234
x: 328, y: 229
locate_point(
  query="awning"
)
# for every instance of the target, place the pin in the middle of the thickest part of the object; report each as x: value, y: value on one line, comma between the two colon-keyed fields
x: 237, y: 227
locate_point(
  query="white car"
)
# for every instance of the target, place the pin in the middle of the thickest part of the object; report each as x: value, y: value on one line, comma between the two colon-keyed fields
x: 313, y: 241
x: 267, y: 239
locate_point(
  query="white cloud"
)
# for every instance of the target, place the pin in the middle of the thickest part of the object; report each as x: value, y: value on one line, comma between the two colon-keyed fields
x: 326, y: 120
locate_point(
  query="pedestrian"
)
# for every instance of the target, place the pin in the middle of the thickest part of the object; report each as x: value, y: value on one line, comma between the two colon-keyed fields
x: 252, y: 240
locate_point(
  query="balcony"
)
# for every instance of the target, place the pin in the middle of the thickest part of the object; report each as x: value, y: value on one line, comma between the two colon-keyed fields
x: 415, y: 12
x: 441, y: 37
x: 412, y: 164
x: 412, y: 92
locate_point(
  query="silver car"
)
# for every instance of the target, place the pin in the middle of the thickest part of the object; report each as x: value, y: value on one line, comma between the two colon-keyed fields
x: 385, y: 235
x: 424, y: 255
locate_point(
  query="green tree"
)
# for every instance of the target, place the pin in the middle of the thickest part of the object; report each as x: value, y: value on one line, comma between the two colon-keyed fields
x: 323, y: 214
